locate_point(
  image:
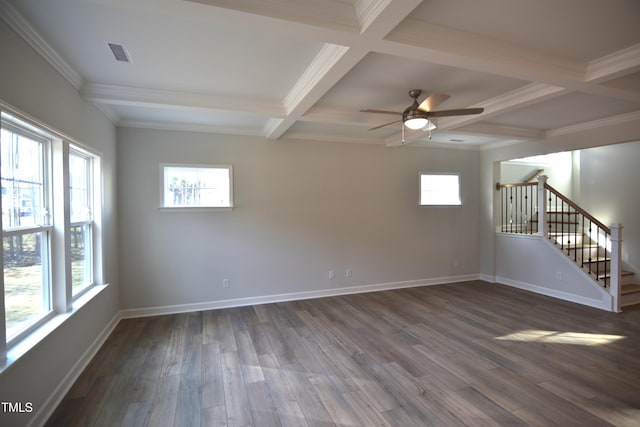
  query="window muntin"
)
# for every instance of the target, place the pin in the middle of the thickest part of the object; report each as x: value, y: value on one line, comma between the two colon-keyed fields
x: 188, y: 186
x: 26, y: 225
x: 440, y: 189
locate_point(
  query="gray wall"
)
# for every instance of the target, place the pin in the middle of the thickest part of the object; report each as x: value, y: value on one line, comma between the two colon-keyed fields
x: 609, y: 180
x: 303, y: 208
x: 28, y: 83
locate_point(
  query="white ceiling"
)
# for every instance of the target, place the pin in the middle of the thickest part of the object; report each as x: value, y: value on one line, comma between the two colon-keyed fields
x: 305, y: 68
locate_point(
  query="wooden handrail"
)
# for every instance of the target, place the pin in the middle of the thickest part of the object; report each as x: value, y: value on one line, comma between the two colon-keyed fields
x: 520, y: 184
x: 582, y: 211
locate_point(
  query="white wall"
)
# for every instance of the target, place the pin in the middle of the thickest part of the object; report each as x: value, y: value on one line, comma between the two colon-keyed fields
x: 557, y: 167
x: 609, y: 180
x: 28, y: 83
x: 303, y: 208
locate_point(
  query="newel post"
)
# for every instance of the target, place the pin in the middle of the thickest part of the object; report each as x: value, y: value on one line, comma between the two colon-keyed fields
x: 542, y: 206
x: 616, y: 265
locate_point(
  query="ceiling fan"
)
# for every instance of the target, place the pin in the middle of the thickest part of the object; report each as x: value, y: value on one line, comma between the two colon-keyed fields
x: 418, y: 116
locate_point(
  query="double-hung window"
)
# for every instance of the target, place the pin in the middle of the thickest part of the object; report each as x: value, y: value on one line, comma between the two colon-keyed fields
x: 26, y: 225
x: 51, y: 222
x: 81, y: 222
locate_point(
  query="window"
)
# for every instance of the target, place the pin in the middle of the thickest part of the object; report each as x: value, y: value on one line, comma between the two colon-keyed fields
x: 81, y: 226
x: 440, y: 189
x: 26, y: 226
x: 50, y: 230
x: 188, y: 186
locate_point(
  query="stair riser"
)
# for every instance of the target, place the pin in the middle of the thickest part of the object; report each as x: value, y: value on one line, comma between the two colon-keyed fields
x: 630, y: 299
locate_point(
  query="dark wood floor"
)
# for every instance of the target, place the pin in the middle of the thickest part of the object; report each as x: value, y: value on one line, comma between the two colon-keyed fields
x: 460, y: 354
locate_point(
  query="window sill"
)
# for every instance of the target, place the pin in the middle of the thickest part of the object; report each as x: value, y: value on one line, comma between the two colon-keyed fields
x: 197, y: 209
x: 28, y: 343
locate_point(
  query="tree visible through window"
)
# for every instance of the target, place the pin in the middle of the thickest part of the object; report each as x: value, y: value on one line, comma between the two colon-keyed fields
x: 26, y: 226
x: 196, y: 186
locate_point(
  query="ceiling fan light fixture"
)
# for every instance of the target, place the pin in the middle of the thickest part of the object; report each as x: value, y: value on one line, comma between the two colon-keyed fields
x: 416, y: 123
x: 414, y: 118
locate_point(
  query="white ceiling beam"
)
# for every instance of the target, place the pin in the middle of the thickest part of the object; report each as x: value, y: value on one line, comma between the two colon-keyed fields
x: 333, y: 62
x: 123, y: 95
x: 502, y: 131
x: 522, y: 97
x: 415, y: 39
x: 615, y: 65
x: 419, y: 40
x: 328, y: 14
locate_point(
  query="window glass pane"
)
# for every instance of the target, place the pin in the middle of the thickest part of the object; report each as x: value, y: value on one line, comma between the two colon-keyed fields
x: 79, y: 188
x: 81, y: 274
x: 22, y: 181
x: 25, y: 292
x: 197, y: 186
x: 440, y: 189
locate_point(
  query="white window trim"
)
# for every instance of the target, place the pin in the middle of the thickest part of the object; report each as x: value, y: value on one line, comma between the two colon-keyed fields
x: 164, y: 208
x: 457, y: 205
x: 23, y: 342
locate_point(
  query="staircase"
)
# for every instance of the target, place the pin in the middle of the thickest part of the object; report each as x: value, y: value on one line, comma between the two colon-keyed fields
x: 578, y: 235
x: 568, y: 235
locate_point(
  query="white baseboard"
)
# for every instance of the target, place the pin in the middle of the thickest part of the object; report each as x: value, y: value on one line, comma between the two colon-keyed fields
x: 50, y: 405
x: 603, y: 304
x: 266, y: 299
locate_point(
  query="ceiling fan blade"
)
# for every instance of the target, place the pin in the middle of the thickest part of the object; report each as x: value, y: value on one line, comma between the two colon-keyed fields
x: 459, y: 112
x: 380, y: 112
x: 386, y: 124
x: 432, y: 101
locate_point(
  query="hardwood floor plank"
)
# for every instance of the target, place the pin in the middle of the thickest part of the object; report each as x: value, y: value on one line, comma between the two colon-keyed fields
x: 457, y: 354
x: 212, y: 378
x: 163, y: 408
x: 236, y: 398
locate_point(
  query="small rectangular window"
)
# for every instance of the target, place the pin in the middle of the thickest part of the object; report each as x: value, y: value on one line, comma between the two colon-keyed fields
x: 188, y: 186
x: 440, y: 189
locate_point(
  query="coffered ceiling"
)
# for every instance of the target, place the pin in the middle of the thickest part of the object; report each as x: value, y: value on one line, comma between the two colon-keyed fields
x: 305, y: 68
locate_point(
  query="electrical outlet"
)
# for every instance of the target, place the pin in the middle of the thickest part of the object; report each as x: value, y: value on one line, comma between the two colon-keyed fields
x: 348, y: 272
x: 226, y: 283
x: 332, y: 274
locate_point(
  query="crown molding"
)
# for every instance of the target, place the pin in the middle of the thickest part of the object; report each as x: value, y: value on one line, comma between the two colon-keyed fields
x: 24, y: 29
x: 125, y: 95
x: 313, y: 136
x: 189, y: 127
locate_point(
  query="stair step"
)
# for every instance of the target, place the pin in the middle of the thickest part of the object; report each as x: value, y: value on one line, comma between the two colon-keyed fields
x: 629, y: 289
x: 623, y: 274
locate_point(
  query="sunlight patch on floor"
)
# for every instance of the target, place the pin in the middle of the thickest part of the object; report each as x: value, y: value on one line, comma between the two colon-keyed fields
x: 556, y: 337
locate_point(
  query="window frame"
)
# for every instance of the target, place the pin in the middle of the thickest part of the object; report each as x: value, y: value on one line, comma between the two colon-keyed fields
x: 89, y: 223
x: 195, y: 208
x: 56, y: 214
x: 441, y: 205
x: 44, y: 227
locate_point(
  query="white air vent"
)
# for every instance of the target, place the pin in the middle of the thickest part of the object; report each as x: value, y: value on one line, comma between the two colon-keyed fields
x: 119, y: 52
